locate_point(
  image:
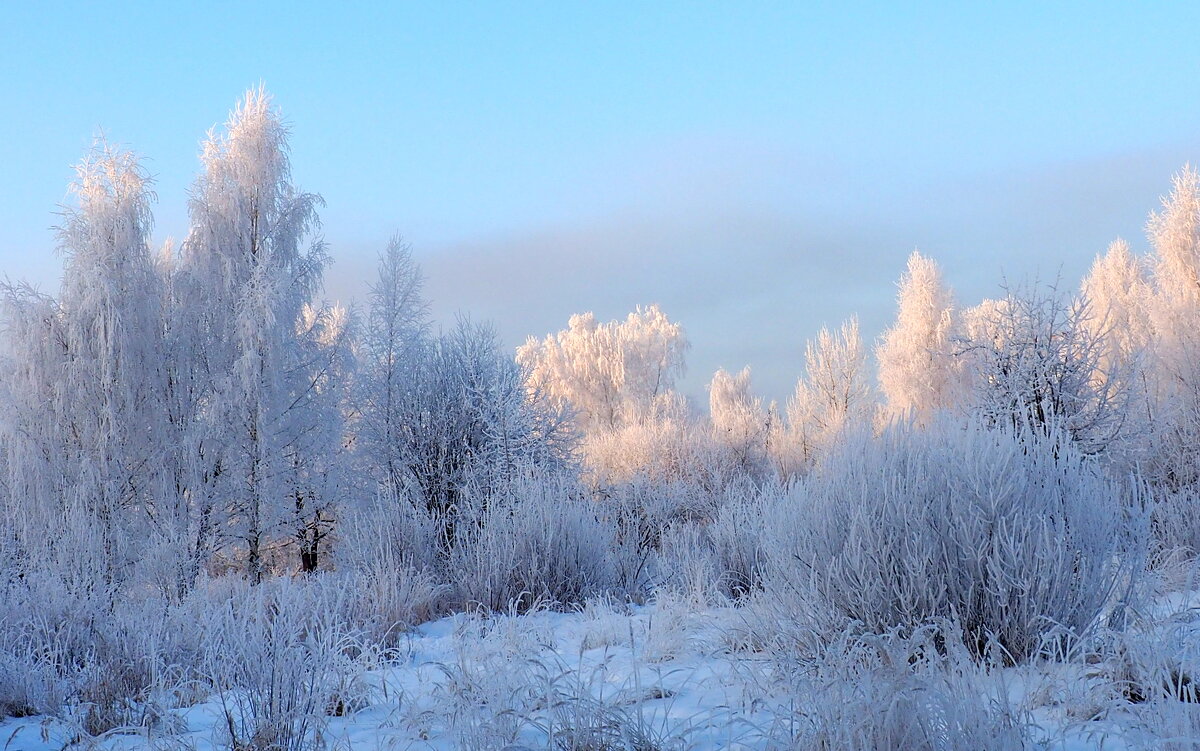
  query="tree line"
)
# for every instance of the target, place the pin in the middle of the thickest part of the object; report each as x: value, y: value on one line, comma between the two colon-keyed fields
x: 198, y: 409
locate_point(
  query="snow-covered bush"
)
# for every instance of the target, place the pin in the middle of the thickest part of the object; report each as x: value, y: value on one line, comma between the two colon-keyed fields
x: 863, y: 692
x: 273, y: 654
x: 740, y: 533
x: 724, y: 555
x: 387, y: 553
x: 1175, y: 524
x: 465, y: 422
x: 1012, y: 534
x: 97, y: 661
x: 31, y: 680
x: 643, y: 514
x: 540, y: 540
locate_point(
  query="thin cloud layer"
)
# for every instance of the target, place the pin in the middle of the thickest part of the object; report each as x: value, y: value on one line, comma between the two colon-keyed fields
x: 752, y: 277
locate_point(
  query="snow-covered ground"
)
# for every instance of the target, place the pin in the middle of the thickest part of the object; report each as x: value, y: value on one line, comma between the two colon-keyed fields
x: 469, y: 680
x: 674, y: 675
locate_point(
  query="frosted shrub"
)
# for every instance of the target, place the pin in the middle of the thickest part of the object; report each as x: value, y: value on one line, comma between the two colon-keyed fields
x: 98, y: 663
x: 867, y: 692
x: 275, y: 656
x: 739, y: 533
x: 29, y: 675
x: 688, y: 563
x: 272, y: 655
x: 75, y: 641
x: 642, y: 512
x: 1175, y: 524
x: 1012, y: 534
x: 725, y: 555
x: 387, y: 553
x: 540, y: 539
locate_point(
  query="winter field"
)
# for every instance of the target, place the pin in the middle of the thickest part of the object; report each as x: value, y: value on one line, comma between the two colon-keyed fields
x: 238, y: 517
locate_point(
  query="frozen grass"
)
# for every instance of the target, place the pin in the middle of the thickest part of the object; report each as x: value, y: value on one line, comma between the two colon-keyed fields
x: 672, y: 674
x: 276, y: 657
x: 869, y: 691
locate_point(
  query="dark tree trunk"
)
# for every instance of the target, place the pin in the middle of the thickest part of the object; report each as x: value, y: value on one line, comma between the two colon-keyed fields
x: 309, y: 560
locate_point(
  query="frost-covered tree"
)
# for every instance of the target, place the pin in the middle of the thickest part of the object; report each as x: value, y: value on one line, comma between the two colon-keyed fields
x: 1175, y: 313
x: 1033, y: 363
x: 465, y: 420
x: 833, y: 397
x: 740, y: 423
x: 187, y: 524
x: 112, y: 336
x: 395, y: 332
x: 317, y: 449
x: 34, y: 407
x: 1120, y: 300
x: 652, y: 357
x: 1175, y: 235
x: 250, y: 271
x: 439, y: 413
x: 918, y: 372
x: 83, y: 373
x: 609, y: 374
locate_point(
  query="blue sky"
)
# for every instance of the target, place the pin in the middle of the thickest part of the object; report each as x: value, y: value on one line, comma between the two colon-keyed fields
x: 758, y: 169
